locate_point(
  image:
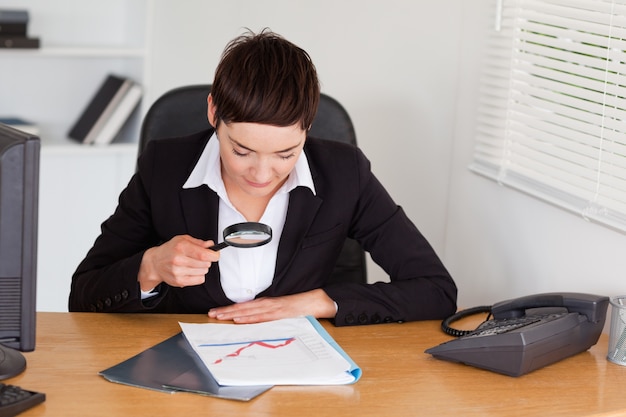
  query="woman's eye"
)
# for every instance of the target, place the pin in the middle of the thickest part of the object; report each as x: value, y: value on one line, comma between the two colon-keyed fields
x: 286, y: 157
x: 239, y: 153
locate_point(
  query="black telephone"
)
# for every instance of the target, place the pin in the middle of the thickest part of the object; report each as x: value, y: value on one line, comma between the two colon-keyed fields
x: 526, y: 333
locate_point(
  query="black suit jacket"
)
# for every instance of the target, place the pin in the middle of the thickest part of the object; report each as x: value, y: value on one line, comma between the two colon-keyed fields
x: 350, y: 202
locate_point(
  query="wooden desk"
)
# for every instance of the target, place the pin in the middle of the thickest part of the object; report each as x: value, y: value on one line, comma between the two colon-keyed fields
x: 399, y: 379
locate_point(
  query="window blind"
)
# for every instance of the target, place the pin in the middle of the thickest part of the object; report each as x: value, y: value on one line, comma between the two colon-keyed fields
x: 552, y: 111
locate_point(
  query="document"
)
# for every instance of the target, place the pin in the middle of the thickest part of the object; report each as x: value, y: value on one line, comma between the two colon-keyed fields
x: 295, y: 351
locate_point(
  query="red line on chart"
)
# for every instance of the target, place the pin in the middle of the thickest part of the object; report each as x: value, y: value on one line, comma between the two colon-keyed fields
x: 257, y: 343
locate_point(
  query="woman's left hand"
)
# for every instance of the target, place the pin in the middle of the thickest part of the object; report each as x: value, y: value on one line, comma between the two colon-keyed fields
x: 315, y: 303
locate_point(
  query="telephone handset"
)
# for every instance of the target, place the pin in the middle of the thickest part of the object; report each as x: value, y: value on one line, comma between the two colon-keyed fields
x: 526, y: 333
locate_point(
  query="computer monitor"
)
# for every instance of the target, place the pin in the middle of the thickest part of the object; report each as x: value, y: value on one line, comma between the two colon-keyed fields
x: 19, y: 203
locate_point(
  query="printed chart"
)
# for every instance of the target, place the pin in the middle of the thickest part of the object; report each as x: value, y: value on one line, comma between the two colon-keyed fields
x: 282, y: 352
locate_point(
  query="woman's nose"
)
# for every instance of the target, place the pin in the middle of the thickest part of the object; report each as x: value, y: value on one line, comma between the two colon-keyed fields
x: 262, y: 171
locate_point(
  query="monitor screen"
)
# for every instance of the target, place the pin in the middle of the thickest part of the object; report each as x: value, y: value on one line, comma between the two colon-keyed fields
x: 19, y: 192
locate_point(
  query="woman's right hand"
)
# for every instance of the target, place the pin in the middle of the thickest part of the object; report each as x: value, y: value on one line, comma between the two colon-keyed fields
x: 181, y: 262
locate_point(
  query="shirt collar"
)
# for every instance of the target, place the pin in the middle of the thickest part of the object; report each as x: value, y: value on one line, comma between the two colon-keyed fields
x: 207, y: 171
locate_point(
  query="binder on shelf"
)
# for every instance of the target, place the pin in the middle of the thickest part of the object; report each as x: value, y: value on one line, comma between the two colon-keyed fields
x: 100, y: 104
x: 120, y: 113
x: 107, y: 111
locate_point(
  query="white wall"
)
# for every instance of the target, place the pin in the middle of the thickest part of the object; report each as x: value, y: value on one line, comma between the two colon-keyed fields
x: 392, y: 64
x: 501, y: 243
x: 407, y: 72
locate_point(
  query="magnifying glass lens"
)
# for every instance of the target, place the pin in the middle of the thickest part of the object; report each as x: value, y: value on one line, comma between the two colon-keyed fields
x: 248, y: 238
x: 245, y: 235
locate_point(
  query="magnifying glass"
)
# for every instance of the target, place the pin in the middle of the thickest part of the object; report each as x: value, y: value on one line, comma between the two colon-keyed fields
x: 245, y: 235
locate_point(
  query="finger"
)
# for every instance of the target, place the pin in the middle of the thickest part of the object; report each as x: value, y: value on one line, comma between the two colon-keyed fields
x: 187, y: 280
x: 248, y: 312
x: 197, y: 249
x: 247, y: 317
x: 234, y: 308
x: 256, y: 318
x: 191, y: 271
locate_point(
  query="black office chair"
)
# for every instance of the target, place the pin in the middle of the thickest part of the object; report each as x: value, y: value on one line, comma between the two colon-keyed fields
x: 183, y: 111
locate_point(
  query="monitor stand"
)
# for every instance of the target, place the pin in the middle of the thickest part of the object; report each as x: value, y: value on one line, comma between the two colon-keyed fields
x: 12, y: 362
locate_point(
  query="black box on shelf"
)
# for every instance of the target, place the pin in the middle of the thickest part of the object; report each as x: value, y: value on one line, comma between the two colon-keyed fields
x: 14, y: 30
x: 17, y: 42
x: 13, y: 22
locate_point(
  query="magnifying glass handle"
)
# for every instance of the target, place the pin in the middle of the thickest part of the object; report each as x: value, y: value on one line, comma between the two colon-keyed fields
x: 219, y: 246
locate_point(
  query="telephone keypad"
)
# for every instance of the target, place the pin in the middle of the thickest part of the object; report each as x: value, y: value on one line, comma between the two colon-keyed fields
x: 493, y: 327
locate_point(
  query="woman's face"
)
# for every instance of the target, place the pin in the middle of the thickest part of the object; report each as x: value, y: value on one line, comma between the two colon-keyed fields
x: 257, y: 158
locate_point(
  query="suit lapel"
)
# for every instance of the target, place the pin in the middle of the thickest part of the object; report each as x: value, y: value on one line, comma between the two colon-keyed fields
x: 303, y: 207
x: 200, y: 209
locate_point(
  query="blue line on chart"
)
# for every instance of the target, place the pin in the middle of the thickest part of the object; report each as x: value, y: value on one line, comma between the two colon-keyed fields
x: 245, y: 343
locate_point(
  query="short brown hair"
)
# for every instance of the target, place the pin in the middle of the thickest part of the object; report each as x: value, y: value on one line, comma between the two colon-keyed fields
x: 263, y: 78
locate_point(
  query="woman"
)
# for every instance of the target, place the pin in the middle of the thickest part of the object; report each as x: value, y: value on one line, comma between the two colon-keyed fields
x: 256, y: 163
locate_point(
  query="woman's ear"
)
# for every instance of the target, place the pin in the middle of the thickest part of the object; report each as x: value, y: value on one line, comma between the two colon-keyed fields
x: 211, y: 110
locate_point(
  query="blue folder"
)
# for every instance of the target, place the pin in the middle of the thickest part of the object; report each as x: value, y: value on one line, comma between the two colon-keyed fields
x: 172, y: 366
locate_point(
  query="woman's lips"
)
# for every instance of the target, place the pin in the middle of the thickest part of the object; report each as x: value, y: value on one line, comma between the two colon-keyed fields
x: 258, y: 185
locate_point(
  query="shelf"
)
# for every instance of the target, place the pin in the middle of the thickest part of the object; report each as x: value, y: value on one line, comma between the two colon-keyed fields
x: 77, y: 52
x: 69, y: 148
x: 81, y: 43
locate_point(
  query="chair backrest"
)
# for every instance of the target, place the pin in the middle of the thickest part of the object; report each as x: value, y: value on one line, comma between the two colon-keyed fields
x: 183, y: 111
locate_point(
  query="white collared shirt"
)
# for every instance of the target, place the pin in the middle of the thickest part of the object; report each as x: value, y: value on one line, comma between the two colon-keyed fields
x: 244, y: 273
